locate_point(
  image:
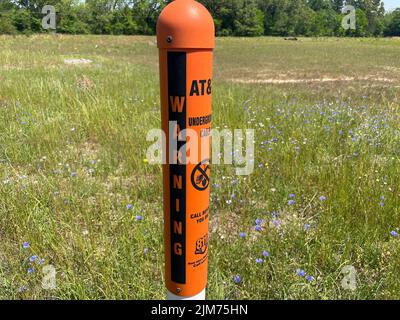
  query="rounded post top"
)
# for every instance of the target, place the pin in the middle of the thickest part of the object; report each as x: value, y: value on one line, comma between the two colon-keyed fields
x: 185, y: 24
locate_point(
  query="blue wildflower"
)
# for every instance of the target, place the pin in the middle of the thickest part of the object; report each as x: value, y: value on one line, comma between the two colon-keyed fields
x: 307, y: 227
x: 394, y: 234
x: 26, y: 245
x: 242, y: 235
x: 292, y: 195
x: 300, y: 272
x: 266, y: 254
x: 139, y: 218
x: 129, y: 206
x: 291, y: 202
x: 31, y: 270
x: 258, y: 228
x: 259, y: 260
x: 237, y: 279
x: 322, y: 198
x: 33, y: 258
x: 310, y: 278
x: 259, y: 222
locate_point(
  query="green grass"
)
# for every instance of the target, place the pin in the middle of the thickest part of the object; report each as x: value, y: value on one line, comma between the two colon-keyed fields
x: 339, y: 139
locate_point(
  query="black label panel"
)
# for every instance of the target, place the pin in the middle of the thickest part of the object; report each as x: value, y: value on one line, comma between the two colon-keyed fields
x: 177, y: 179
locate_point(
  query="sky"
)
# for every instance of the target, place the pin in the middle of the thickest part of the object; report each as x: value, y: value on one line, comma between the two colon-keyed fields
x: 391, y: 4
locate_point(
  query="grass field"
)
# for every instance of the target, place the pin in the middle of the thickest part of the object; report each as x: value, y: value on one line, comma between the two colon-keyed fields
x: 75, y: 185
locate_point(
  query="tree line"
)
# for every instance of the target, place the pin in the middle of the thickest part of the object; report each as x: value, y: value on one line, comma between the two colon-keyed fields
x: 232, y: 17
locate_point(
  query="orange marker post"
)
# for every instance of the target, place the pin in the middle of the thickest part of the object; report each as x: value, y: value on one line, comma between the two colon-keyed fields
x: 185, y: 36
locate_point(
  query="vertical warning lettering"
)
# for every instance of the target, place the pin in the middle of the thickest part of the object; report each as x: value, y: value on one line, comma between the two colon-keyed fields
x: 177, y: 178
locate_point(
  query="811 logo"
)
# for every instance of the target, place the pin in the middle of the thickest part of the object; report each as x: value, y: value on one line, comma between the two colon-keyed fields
x: 202, y: 245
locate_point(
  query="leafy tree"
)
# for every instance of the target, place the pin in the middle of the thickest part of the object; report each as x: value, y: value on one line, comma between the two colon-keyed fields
x: 6, y: 23
x: 72, y: 18
x: 249, y: 20
x: 393, y: 24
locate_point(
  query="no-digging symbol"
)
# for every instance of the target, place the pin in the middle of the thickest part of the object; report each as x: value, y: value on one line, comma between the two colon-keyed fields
x: 201, y: 175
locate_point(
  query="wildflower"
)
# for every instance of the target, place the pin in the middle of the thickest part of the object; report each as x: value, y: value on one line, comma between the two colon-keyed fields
x: 139, y: 218
x: 129, y: 206
x: 74, y: 174
x: 242, y: 235
x: 381, y: 204
x: 300, y: 272
x: 258, y: 222
x: 26, y: 245
x: 292, y: 196
x: 33, y: 258
x: 266, y: 254
x: 322, y: 198
x: 237, y: 279
x: 259, y: 260
x: 310, y: 278
x: 258, y: 228
x: 291, y: 202
x: 394, y: 234
x: 31, y: 270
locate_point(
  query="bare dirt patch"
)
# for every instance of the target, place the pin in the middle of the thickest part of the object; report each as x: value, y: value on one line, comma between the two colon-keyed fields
x: 77, y: 61
x: 315, y: 80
